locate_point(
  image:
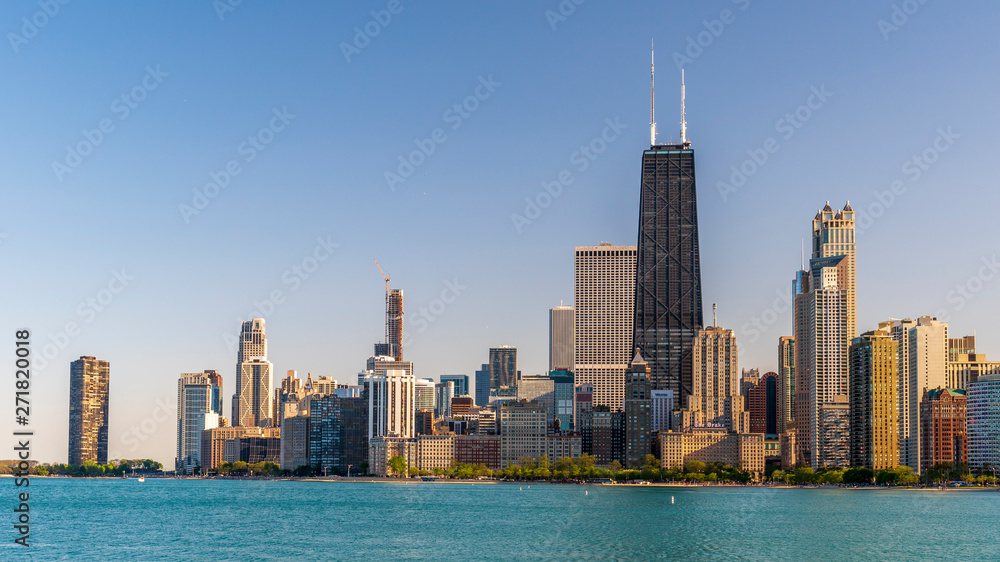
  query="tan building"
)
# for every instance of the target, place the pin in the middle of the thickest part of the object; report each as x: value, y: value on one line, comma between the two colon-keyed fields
x: 222, y: 444
x: 561, y: 340
x: 742, y: 450
x: 88, y: 410
x: 788, y: 449
x: 559, y: 446
x: 873, y: 403
x: 715, y: 399
x: 435, y: 451
x: 382, y: 449
x: 786, y: 371
x: 965, y: 366
x: 523, y: 430
x: 604, y: 295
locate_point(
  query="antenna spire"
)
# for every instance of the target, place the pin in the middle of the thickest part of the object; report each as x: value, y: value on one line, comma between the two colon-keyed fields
x: 652, y: 96
x: 802, y: 254
x: 683, y: 121
x: 715, y: 315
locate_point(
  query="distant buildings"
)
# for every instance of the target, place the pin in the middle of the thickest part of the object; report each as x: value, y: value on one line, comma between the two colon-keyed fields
x: 483, y: 385
x: 714, y: 398
x: 478, y: 449
x: 561, y: 338
x: 523, y: 431
x: 88, y: 410
x: 874, y: 419
x: 965, y: 365
x: 232, y: 444
x: 461, y: 383
x: 983, y: 402
x: 444, y: 391
x: 423, y: 394
x: 503, y: 371
x: 663, y: 410
x: 391, y: 398
x: 825, y: 321
x: 194, y: 416
x: 255, y: 388
x: 712, y: 445
x: 786, y: 371
x: 252, y: 344
x: 604, y: 294
x: 765, y: 404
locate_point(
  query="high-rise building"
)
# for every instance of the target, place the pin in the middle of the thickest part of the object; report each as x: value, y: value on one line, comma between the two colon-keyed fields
x: 216, y: 379
x: 503, y: 371
x: 874, y: 420
x: 483, y: 385
x: 88, y: 410
x: 748, y: 379
x: 604, y: 293
x: 663, y: 410
x: 391, y: 398
x: 326, y: 451
x: 194, y: 416
x: 394, y: 322
x: 255, y: 388
x: 922, y: 362
x: 983, y: 411
x: 715, y: 399
x: 423, y: 394
x: 764, y: 403
x: 825, y: 323
x: 295, y: 440
x: 585, y: 416
x: 668, y: 306
x: 638, y: 412
x: 609, y: 435
x: 561, y: 339
x: 786, y: 371
x: 965, y: 365
x: 943, y: 427
x: 444, y: 391
x: 461, y: 383
x: 252, y: 345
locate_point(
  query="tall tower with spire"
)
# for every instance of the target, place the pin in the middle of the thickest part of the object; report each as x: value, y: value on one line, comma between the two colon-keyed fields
x: 668, y: 305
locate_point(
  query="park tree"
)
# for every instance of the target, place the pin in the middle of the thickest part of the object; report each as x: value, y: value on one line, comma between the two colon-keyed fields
x: 397, y: 465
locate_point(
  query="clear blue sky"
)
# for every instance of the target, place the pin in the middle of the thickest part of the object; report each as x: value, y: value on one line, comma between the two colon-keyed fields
x: 217, y: 81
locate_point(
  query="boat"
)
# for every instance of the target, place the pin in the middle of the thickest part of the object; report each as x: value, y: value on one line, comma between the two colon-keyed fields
x: 142, y: 479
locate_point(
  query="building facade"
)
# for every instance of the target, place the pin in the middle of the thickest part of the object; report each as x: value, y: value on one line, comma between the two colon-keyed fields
x: 461, y: 383
x: 523, y: 431
x: 503, y: 371
x: 765, y: 402
x: 478, y: 449
x: 714, y: 398
x: 391, y: 398
x: 561, y: 338
x: 983, y: 403
x: 255, y: 393
x: 873, y: 403
x: 712, y: 445
x: 825, y: 323
x: 252, y: 343
x: 786, y: 370
x: 943, y: 416
x: 638, y: 412
x: 194, y: 416
x: 483, y: 385
x: 89, y: 380
x: 604, y: 293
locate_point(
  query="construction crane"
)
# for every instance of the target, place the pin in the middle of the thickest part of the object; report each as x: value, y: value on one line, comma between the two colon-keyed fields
x: 386, y: 277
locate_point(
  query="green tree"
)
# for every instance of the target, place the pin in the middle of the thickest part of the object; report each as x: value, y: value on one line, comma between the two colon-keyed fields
x: 650, y: 463
x: 397, y: 465
x: 614, y: 466
x: 695, y: 466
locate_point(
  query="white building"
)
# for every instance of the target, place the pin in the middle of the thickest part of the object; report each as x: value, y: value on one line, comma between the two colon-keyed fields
x: 194, y: 415
x: 391, y: 404
x: 604, y: 294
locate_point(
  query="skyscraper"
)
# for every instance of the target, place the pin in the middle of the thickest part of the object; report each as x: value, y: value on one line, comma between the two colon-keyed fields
x: 216, y: 379
x: 483, y: 385
x: 874, y: 419
x: 638, y: 412
x: 255, y: 393
x: 668, y: 306
x: 88, y: 410
x: 252, y: 343
x: 503, y: 371
x: 825, y: 323
x: 786, y: 372
x: 764, y: 404
x: 715, y: 399
x: 391, y: 398
x: 561, y: 340
x: 461, y: 383
x: 444, y: 391
x: 394, y: 322
x: 983, y: 407
x: 943, y: 415
x: 604, y: 291
x: 423, y: 395
x: 194, y: 416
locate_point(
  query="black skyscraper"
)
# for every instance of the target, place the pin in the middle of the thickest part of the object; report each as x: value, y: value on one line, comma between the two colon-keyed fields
x: 668, y: 309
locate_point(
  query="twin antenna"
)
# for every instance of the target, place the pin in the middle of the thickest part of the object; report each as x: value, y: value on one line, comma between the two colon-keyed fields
x: 652, y: 101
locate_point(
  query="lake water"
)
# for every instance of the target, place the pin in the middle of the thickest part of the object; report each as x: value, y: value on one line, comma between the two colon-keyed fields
x: 278, y: 520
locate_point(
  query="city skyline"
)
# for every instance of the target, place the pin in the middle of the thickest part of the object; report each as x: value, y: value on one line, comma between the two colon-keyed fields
x: 130, y: 289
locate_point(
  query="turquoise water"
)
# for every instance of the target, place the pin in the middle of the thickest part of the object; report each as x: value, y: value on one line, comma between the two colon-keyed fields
x: 261, y: 520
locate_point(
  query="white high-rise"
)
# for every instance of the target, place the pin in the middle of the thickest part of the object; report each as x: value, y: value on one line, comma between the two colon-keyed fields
x: 604, y: 296
x: 194, y: 415
x: 391, y: 397
x: 561, y: 340
x: 255, y: 393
